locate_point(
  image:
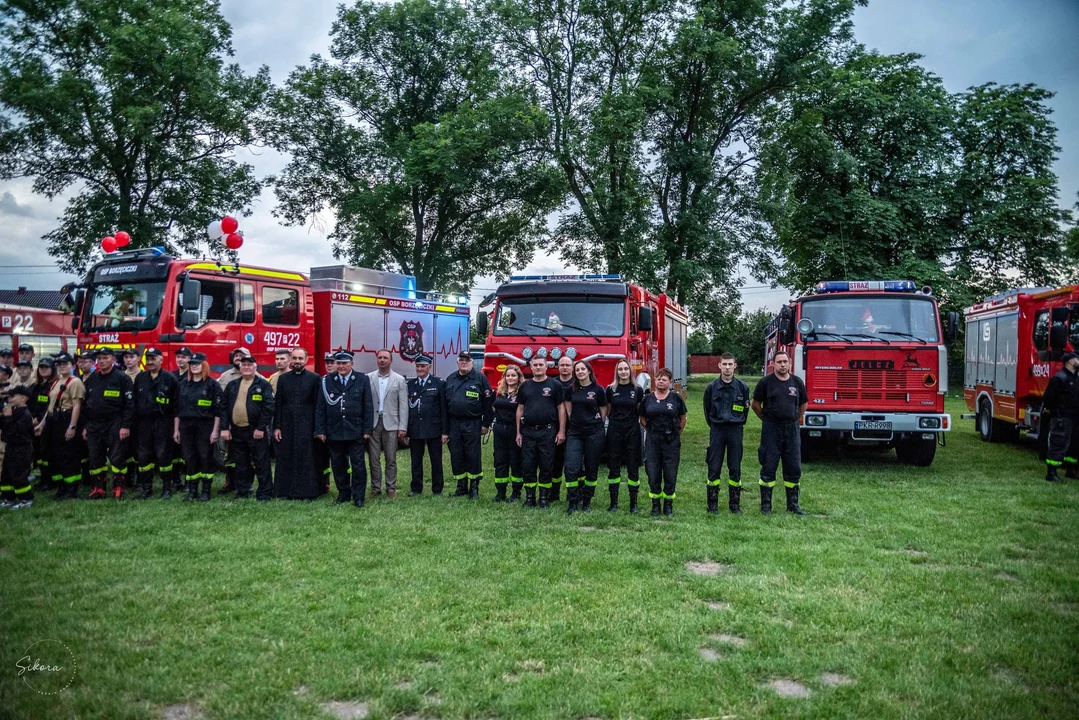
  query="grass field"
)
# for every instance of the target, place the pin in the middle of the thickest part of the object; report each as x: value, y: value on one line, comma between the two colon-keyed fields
x: 949, y: 591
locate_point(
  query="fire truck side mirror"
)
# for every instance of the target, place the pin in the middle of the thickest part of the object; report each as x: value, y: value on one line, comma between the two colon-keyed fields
x: 1058, y: 336
x: 481, y: 323
x: 805, y: 326
x: 953, y: 326
x: 644, y: 319
x: 1060, y: 314
x: 191, y: 292
x: 75, y: 302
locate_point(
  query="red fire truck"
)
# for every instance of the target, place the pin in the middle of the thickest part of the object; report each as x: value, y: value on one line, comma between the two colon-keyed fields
x: 145, y: 298
x: 873, y: 358
x: 598, y: 318
x: 49, y: 331
x: 1014, y: 342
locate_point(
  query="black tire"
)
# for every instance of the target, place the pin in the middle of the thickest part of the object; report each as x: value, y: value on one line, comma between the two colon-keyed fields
x: 989, y: 428
x: 916, y: 451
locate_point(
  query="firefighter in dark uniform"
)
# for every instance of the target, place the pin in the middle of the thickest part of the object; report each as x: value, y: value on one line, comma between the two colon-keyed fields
x: 428, y: 425
x: 64, y: 426
x: 39, y: 407
x: 197, y: 425
x: 541, y: 427
x: 183, y: 359
x: 470, y: 407
x: 110, y: 412
x: 322, y: 451
x: 726, y: 408
x: 344, y: 420
x: 246, y: 420
x: 129, y: 363
x: 558, y: 470
x: 586, y: 408
x: 663, y: 415
x: 507, y: 453
x: 1061, y: 402
x: 784, y: 401
x: 17, y: 433
x: 623, y: 434
x: 156, y: 395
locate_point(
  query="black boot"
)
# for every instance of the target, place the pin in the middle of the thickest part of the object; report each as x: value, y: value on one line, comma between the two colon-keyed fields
x: 204, y: 496
x: 500, y: 492
x: 792, y: 501
x: 544, y: 494
x: 573, y: 502
x: 613, y: 490
x: 462, y: 488
x: 587, y: 492
x: 766, y: 500
x: 1051, y: 474
x: 668, y: 507
x: 554, y: 494
x: 230, y: 481
x: 734, y: 498
x: 713, y: 499
x: 515, y: 495
x: 474, y: 489
x: 146, y: 485
x: 633, y: 499
x: 359, y: 497
x: 192, y: 490
x: 655, y: 507
x: 530, y: 497
x: 166, y: 487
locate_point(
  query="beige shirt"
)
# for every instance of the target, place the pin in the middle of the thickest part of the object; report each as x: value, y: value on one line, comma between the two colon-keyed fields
x: 273, y: 380
x: 239, y: 409
x: 63, y: 394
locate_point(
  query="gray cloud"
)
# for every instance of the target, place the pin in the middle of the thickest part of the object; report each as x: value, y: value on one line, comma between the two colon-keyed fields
x: 10, y: 206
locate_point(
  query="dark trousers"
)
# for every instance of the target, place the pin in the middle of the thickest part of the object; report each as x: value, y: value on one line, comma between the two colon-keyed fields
x: 624, y: 450
x: 154, y: 447
x: 537, y: 453
x: 780, y: 441
x: 107, y: 452
x: 433, y: 447
x: 15, y: 475
x: 251, y: 459
x: 558, y: 464
x: 196, y: 448
x: 348, y: 455
x: 507, y: 453
x: 466, y: 462
x: 322, y: 462
x: 65, y: 456
x: 725, y: 440
x: 1063, y: 442
x: 583, y: 449
x: 662, y: 452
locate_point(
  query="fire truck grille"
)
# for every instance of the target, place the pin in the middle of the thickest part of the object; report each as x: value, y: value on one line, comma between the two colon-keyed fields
x: 889, y: 385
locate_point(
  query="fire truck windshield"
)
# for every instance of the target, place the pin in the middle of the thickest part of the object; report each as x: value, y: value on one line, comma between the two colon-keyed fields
x: 124, y: 307
x: 561, y: 315
x: 881, y: 318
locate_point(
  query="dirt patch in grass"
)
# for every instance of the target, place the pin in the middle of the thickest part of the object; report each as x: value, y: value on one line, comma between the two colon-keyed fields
x: 1010, y: 577
x: 707, y: 567
x: 588, y: 528
x: 717, y: 605
x: 181, y: 712
x: 301, y: 691
x: 709, y: 655
x: 522, y: 668
x: 835, y: 679
x: 346, y: 710
x: 404, y: 685
x: 729, y: 640
x: 785, y: 687
x: 1066, y: 609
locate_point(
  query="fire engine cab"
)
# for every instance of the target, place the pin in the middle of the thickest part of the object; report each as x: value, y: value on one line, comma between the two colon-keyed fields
x: 1014, y: 343
x: 873, y: 358
x: 598, y: 318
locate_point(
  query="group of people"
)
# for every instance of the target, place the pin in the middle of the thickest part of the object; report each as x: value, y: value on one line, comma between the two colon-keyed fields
x: 93, y: 420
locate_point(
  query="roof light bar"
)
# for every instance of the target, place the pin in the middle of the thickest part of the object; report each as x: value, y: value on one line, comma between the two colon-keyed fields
x: 833, y: 286
x: 595, y: 277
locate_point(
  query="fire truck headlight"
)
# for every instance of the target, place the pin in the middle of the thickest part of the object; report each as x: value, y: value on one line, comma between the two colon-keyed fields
x: 816, y: 420
x: 929, y: 422
x: 527, y: 353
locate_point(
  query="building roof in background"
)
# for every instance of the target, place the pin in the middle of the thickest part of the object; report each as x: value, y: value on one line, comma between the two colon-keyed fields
x: 39, y: 299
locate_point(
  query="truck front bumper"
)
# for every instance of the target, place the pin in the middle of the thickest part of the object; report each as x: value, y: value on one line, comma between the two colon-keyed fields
x: 875, y: 426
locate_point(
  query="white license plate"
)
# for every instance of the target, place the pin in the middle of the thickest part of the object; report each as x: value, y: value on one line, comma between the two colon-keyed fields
x: 872, y: 425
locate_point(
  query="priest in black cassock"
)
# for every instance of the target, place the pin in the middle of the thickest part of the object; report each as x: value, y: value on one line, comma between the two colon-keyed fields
x: 297, y: 476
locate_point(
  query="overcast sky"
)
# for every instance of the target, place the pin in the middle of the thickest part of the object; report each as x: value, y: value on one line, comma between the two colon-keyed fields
x: 965, y: 42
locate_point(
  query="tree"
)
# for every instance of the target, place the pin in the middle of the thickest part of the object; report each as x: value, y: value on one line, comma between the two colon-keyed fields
x: 429, y: 158
x: 128, y: 103
x: 742, y: 335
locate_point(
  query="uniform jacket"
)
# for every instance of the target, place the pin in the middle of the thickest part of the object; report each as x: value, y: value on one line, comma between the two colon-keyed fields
x: 260, y: 403
x: 1061, y: 396
x: 470, y: 397
x: 345, y: 412
x: 726, y: 403
x: 427, y: 408
x: 395, y: 404
x: 198, y: 400
x: 17, y: 432
x: 110, y: 396
x: 156, y: 396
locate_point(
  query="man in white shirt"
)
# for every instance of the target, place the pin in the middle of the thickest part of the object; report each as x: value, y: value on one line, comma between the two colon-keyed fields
x: 391, y: 423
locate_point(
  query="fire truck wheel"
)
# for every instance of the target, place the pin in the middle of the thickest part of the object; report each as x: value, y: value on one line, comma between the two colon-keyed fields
x: 989, y: 428
x: 916, y: 451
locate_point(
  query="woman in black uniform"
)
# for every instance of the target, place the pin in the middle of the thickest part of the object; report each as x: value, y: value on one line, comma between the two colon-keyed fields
x: 663, y: 415
x: 586, y: 406
x: 623, y: 434
x: 39, y: 408
x: 507, y: 452
x: 196, y: 426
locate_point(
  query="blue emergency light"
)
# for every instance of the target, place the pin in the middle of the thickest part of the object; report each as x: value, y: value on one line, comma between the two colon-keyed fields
x: 834, y: 286
x: 593, y: 277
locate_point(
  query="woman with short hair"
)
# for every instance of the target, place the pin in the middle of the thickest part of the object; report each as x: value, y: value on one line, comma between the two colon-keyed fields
x: 663, y: 415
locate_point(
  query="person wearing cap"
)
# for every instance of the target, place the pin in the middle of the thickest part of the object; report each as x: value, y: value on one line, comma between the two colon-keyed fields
x: 428, y: 425
x: 44, y: 379
x: 391, y: 422
x: 24, y: 374
x: 344, y: 420
x: 110, y: 412
x: 66, y: 447
x: 197, y: 426
x: 297, y: 474
x: 470, y: 408
x: 1061, y: 403
x: 5, y: 356
x: 17, y: 432
x: 225, y: 456
x: 156, y: 396
x: 130, y: 359
x: 183, y: 359
x: 84, y: 364
x: 322, y: 452
x: 246, y: 422
x: 26, y: 353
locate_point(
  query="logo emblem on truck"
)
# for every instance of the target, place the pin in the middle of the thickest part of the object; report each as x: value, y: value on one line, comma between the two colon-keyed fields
x: 411, y: 345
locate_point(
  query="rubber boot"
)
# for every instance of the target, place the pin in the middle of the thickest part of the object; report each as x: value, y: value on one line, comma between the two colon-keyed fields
x: 655, y: 507
x: 515, y: 495
x: 119, y: 486
x: 474, y: 489
x: 586, y: 497
x: 146, y: 485
x: 500, y: 492
x: 230, y: 484
x: 1051, y: 474
x: 191, y: 488
x: 633, y: 500
x: 544, y: 493
x: 554, y: 493
x: 792, y: 501
x: 462, y: 488
x: 766, y: 500
x: 166, y: 486
x: 204, y: 496
x: 668, y: 507
x: 734, y: 498
x: 713, y: 499
x: 573, y: 503
x: 530, y: 497
x: 98, y: 492
x: 613, y: 490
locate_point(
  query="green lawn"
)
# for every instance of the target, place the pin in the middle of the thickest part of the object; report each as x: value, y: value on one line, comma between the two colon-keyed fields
x: 949, y: 591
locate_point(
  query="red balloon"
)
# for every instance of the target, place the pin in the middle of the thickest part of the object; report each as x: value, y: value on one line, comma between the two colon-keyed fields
x: 229, y: 224
x: 108, y: 244
x: 234, y: 241
x: 122, y: 239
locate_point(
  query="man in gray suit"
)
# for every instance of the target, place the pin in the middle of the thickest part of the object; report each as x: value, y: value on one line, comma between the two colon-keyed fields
x: 390, y: 393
